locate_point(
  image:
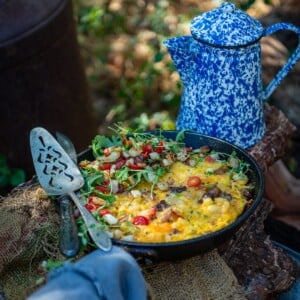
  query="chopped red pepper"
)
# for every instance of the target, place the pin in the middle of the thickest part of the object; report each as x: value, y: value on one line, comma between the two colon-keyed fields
x: 120, y: 163
x: 102, y: 189
x: 90, y: 207
x: 104, y: 212
x: 127, y: 143
x: 145, y: 154
x: 106, y: 182
x: 92, y: 200
x: 140, y: 220
x: 208, y: 158
x: 135, y: 167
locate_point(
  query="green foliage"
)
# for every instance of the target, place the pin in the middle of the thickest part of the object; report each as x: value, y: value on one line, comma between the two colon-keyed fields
x: 50, y: 265
x: 245, y: 4
x: 128, y: 68
x: 126, y: 63
x: 9, y: 177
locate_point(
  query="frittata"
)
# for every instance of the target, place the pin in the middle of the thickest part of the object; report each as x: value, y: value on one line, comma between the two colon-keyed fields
x: 147, y: 188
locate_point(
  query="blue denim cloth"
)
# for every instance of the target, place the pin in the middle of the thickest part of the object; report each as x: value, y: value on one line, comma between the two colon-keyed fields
x: 100, y: 275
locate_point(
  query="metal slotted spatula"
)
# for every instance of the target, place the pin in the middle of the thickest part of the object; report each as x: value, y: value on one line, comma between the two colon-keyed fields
x: 58, y: 175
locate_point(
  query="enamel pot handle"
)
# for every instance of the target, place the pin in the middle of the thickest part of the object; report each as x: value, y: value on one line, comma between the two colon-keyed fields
x: 290, y: 63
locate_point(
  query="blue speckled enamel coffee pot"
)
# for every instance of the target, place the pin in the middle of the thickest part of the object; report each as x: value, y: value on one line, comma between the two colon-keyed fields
x: 220, y: 68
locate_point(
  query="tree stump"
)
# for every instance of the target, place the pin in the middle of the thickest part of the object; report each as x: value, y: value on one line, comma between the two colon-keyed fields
x: 260, y: 266
x: 42, y: 77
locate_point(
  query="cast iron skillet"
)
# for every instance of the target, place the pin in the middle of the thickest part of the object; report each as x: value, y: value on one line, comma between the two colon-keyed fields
x: 187, y: 248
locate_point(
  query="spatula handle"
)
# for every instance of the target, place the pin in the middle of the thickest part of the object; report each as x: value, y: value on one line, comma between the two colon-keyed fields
x: 69, y: 243
x: 98, y: 235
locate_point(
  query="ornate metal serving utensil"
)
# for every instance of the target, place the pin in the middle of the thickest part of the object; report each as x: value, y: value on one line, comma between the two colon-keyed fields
x: 69, y: 242
x: 58, y: 174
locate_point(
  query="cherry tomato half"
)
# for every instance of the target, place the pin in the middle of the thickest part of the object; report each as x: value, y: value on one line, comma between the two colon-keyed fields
x: 103, y: 212
x: 193, y: 181
x: 209, y: 159
x: 160, y: 147
x: 147, y: 148
x: 105, y: 167
x: 140, y: 220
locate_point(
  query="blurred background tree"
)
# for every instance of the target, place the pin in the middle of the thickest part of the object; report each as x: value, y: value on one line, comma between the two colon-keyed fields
x: 130, y: 74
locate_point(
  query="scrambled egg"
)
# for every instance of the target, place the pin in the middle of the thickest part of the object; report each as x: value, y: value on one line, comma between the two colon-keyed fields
x: 179, y: 212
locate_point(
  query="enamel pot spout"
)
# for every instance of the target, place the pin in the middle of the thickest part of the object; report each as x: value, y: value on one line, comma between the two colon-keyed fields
x: 183, y: 55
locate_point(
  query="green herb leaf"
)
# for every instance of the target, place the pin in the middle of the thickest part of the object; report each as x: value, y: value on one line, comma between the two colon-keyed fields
x: 101, y: 142
x: 180, y: 136
x: 107, y: 197
x: 92, y: 180
x: 52, y: 264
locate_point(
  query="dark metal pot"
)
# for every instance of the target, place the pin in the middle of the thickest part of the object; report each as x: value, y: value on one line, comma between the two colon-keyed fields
x: 187, y: 248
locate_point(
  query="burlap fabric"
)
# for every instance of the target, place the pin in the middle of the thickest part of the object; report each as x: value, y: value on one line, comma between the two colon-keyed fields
x: 29, y: 229
x: 28, y: 235
x: 203, y: 277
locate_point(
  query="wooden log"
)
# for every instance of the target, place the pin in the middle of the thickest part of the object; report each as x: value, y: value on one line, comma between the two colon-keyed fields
x: 260, y: 266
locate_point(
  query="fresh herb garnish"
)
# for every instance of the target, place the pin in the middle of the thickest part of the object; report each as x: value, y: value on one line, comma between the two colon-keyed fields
x: 128, y: 158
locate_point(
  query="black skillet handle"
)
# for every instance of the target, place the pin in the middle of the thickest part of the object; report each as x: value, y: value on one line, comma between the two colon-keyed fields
x: 69, y: 243
x: 142, y: 253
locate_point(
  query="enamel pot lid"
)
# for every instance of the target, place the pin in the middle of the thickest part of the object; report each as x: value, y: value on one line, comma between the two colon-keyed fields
x: 226, y: 26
